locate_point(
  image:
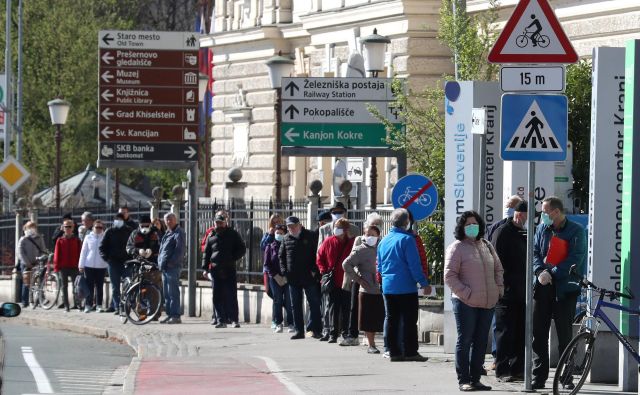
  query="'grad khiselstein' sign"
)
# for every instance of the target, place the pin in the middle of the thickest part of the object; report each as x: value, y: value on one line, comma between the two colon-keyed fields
x: 148, y: 95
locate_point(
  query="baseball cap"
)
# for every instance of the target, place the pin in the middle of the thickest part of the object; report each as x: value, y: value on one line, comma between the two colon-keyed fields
x: 292, y: 220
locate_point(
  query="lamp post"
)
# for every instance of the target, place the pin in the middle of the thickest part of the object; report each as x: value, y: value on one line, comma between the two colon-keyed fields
x: 203, y: 82
x: 279, y: 66
x: 58, y: 110
x: 374, y: 47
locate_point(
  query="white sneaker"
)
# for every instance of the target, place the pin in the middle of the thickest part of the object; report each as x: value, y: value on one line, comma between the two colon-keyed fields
x: 292, y: 329
x: 100, y: 310
x: 273, y: 325
x: 350, y: 341
x: 87, y: 309
x: 278, y: 329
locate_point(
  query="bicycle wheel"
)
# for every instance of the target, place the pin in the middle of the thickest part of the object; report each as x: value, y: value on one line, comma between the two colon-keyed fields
x: 522, y: 41
x: 574, y: 364
x: 35, y: 291
x: 49, y: 292
x: 543, y: 41
x: 142, y: 302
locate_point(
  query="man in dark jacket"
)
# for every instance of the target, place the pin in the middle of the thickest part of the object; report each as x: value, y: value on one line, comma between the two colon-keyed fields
x: 170, y: 259
x: 113, y: 249
x: 510, y: 242
x: 124, y: 210
x: 297, y: 263
x: 145, y: 241
x: 224, y: 247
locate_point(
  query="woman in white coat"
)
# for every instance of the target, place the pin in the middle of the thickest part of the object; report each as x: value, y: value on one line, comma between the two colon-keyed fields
x: 93, y: 266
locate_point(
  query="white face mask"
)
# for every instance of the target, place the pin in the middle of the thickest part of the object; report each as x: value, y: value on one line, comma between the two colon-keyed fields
x: 30, y: 232
x: 338, y: 231
x: 336, y: 217
x: 371, y: 240
x: 144, y: 230
x: 508, y: 212
x: 118, y: 223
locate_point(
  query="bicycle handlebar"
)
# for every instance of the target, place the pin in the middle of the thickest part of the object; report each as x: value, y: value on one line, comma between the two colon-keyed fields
x: 584, y: 283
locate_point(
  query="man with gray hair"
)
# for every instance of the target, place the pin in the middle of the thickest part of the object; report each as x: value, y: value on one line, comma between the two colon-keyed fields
x: 87, y: 224
x: 170, y: 259
x: 509, y: 208
x: 401, y: 271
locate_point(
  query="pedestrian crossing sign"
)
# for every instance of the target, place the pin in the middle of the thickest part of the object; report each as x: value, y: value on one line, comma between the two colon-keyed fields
x: 534, y: 127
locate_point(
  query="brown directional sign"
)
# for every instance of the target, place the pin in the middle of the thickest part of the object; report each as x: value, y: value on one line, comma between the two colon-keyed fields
x: 148, y: 99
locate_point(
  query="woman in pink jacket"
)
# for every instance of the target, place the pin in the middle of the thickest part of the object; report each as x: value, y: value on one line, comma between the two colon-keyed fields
x: 473, y: 272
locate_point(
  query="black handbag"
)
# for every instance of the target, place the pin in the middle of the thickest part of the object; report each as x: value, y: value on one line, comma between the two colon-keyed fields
x: 326, y: 282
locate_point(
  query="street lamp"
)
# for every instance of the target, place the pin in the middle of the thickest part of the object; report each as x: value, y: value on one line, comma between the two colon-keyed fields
x: 279, y: 66
x: 374, y: 47
x: 58, y: 110
x: 203, y: 82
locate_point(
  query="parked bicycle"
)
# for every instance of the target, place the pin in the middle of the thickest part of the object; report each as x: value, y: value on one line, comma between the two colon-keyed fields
x: 45, y: 287
x: 575, y: 363
x: 139, y: 298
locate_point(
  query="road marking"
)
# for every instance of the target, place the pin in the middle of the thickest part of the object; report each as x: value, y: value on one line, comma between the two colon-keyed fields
x: 282, y: 378
x: 44, y: 387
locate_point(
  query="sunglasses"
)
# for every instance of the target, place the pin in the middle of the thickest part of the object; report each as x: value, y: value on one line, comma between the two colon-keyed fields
x: 98, y: 227
x: 67, y: 226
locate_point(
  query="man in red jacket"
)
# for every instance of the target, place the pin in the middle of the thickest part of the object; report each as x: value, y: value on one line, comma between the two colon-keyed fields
x: 65, y: 259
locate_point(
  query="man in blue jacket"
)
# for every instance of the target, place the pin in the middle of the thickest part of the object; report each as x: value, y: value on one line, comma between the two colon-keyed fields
x: 401, y: 271
x: 170, y: 259
x: 555, y: 292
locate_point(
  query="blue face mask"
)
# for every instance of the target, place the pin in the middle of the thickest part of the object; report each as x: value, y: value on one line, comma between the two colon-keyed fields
x: 279, y: 237
x: 546, y: 219
x: 472, y: 230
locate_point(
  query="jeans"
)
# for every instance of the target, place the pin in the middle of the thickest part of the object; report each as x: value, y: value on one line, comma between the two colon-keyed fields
x: 338, y: 312
x: 472, y: 324
x: 117, y: 272
x: 313, y: 297
x: 225, y: 296
x: 281, y: 298
x: 545, y: 307
x: 65, y: 274
x: 401, y: 313
x: 95, y: 279
x: 171, y: 291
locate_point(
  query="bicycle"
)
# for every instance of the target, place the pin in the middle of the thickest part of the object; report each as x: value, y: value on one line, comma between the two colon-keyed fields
x: 423, y: 200
x: 45, y: 289
x: 577, y: 357
x: 541, y: 40
x: 139, y: 298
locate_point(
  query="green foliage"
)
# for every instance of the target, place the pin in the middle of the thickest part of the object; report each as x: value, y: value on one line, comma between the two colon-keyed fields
x: 579, y: 95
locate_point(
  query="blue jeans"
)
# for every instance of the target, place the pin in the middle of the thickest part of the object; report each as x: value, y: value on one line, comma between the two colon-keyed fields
x: 472, y: 324
x: 225, y: 296
x: 313, y: 297
x: 117, y: 272
x: 171, y: 291
x: 281, y: 298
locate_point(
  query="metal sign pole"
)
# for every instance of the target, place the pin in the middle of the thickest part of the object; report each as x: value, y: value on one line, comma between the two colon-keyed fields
x: 192, y: 243
x: 528, y: 339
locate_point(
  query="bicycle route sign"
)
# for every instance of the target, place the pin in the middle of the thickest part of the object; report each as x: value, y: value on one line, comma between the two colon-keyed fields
x: 416, y: 193
x: 534, y: 127
x: 148, y: 99
x: 533, y: 34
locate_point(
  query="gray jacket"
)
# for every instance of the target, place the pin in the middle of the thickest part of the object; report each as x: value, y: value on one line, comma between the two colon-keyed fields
x: 362, y: 263
x: 29, y: 248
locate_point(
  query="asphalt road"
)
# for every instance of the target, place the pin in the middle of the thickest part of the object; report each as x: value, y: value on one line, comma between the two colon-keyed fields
x: 39, y: 361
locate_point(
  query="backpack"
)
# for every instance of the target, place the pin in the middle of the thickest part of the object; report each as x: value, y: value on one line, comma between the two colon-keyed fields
x: 80, y: 287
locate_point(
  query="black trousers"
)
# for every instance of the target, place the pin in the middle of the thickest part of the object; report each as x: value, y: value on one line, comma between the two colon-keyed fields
x: 402, y: 308
x: 353, y: 310
x: 510, y: 314
x: 546, y: 307
x: 65, y: 274
x: 338, y: 311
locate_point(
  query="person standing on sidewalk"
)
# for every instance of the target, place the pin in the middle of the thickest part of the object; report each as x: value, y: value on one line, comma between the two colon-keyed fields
x: 113, y: 249
x: 30, y: 246
x: 170, y: 258
x: 333, y: 251
x: 297, y: 263
x: 510, y: 242
x: 277, y: 282
x: 87, y: 221
x: 558, y: 244
x: 131, y: 224
x: 400, y: 270
x: 474, y: 273
x: 65, y: 259
x: 92, y: 266
x: 224, y: 248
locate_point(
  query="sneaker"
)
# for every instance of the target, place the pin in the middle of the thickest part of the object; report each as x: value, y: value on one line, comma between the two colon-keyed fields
x: 100, y: 310
x: 297, y: 336
x: 214, y: 322
x: 220, y: 325
x: 292, y: 329
x: 386, y: 354
x: 466, y: 387
x: 278, y: 329
x: 416, y: 358
x: 174, y: 320
x: 66, y: 309
x: 332, y: 339
x: 274, y: 325
x: 165, y: 320
x: 324, y: 337
x: 309, y: 334
x: 87, y: 309
x: 61, y: 306
x: 505, y: 379
x: 316, y: 335
x: 537, y: 385
x: 110, y: 310
x: 373, y: 350
x: 235, y: 325
x: 349, y: 341
x: 478, y: 386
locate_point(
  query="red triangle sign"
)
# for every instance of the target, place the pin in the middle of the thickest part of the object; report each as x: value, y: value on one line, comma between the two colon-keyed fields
x: 533, y: 35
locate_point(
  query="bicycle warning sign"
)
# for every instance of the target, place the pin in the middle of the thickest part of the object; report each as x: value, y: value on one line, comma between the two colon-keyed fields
x: 417, y: 194
x: 533, y: 35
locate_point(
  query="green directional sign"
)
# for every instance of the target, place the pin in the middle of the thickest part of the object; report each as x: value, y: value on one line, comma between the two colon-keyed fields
x: 333, y: 135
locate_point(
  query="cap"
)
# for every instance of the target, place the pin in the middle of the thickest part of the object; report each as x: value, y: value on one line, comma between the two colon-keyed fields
x: 338, y: 206
x: 220, y: 218
x: 145, y: 219
x: 325, y: 215
x: 292, y: 220
x: 521, y: 207
x: 281, y: 227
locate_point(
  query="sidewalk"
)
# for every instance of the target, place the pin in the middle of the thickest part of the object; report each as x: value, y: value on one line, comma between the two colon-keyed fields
x: 196, y: 358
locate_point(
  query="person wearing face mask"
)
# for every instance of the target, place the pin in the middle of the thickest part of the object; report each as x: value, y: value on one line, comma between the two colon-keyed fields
x: 509, y: 210
x: 131, y: 224
x: 92, y: 266
x: 555, y: 292
x: 145, y: 242
x: 224, y: 248
x: 30, y: 246
x: 361, y: 266
x: 510, y: 243
x: 337, y: 211
x: 65, y: 260
x: 398, y: 263
x: 277, y: 282
x: 297, y: 263
x: 474, y: 274
x: 113, y: 249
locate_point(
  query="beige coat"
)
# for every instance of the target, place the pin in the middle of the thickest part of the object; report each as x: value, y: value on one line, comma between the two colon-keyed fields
x: 473, y: 271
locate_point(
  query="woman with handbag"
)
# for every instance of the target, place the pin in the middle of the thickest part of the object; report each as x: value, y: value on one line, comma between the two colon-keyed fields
x: 332, y: 252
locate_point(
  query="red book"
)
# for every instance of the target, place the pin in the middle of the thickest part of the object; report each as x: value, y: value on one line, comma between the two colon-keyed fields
x: 558, y: 251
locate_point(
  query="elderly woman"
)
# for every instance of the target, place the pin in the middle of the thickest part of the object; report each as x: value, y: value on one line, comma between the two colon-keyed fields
x: 332, y: 252
x: 361, y: 266
x: 277, y: 282
x: 474, y: 273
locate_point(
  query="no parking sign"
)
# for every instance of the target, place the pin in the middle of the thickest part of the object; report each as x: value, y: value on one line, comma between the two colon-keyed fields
x: 417, y: 194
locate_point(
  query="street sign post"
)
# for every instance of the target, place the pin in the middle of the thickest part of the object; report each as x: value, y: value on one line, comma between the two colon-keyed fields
x: 148, y: 99
x: 417, y: 194
x: 532, y: 79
